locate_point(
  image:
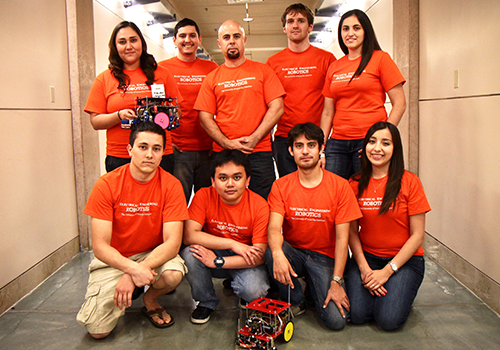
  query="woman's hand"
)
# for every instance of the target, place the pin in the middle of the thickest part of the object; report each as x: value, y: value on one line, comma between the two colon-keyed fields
x: 127, y: 114
x: 375, y: 280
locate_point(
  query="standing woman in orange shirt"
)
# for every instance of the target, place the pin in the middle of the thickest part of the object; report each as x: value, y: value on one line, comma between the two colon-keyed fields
x: 355, y: 92
x: 132, y: 72
x: 387, y: 267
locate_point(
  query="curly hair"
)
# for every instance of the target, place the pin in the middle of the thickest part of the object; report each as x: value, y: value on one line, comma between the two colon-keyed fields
x: 116, y: 64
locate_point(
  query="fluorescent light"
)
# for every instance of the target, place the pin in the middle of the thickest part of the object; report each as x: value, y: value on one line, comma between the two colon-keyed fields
x: 242, y: 1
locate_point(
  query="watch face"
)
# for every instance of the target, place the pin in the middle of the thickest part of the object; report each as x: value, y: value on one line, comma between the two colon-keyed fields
x: 219, y: 261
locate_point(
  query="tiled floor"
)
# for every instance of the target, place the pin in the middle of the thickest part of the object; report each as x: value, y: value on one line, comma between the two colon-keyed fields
x: 445, y: 315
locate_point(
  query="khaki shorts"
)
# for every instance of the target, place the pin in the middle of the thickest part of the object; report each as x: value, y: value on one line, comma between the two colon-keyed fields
x: 98, y: 312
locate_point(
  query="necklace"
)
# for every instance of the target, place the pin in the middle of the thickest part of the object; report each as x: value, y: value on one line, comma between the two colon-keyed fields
x: 380, y: 184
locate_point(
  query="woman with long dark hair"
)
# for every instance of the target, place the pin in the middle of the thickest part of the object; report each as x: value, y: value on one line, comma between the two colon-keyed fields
x: 387, y: 264
x: 355, y: 92
x: 130, y: 74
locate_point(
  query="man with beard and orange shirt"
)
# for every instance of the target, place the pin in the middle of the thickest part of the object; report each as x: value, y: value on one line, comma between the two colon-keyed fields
x: 247, y: 99
x: 308, y: 232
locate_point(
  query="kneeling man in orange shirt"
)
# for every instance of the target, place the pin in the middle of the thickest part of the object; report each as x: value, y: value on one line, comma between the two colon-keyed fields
x: 227, y: 236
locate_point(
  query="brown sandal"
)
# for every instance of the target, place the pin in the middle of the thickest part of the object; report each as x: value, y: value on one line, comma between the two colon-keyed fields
x: 157, y: 312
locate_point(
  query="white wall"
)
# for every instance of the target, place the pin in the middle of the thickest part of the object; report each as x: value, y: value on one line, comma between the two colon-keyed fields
x: 459, y: 127
x: 38, y: 211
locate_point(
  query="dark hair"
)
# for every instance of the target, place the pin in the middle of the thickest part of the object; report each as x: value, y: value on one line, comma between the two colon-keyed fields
x: 146, y: 127
x: 396, y: 168
x: 148, y: 62
x: 298, y: 8
x: 370, y: 42
x: 310, y: 130
x: 184, y: 23
x: 230, y: 155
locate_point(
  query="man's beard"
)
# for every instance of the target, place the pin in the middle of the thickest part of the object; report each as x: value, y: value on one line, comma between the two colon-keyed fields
x: 233, y: 56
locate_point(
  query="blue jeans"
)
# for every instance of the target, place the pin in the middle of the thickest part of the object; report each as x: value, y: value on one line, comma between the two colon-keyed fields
x: 318, y: 270
x: 248, y: 284
x: 342, y: 157
x: 390, y: 311
x: 284, y: 161
x: 167, y: 163
x: 192, y: 168
x: 262, y: 173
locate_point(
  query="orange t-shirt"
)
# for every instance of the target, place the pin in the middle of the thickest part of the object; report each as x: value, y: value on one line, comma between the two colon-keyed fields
x: 137, y: 210
x: 245, y: 222
x: 238, y: 96
x: 105, y: 98
x: 360, y: 104
x: 190, y: 136
x: 310, y: 214
x: 384, y: 235
x: 302, y: 74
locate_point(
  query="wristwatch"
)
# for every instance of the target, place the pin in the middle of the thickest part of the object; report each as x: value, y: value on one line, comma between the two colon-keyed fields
x: 393, y: 267
x: 219, y: 262
x: 339, y: 280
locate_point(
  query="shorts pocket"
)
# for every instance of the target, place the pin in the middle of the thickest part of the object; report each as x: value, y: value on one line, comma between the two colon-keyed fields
x: 89, y: 306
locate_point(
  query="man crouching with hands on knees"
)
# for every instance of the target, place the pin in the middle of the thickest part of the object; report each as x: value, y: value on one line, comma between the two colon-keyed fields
x: 227, y: 236
x: 137, y: 215
x: 311, y: 210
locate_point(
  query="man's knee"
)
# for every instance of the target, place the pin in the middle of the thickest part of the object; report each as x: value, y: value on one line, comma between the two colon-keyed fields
x: 188, y: 256
x: 251, y: 286
x: 99, y: 335
x: 170, y: 278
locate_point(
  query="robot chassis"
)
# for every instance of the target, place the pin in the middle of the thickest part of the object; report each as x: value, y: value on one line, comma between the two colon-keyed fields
x: 266, y: 319
x: 162, y: 111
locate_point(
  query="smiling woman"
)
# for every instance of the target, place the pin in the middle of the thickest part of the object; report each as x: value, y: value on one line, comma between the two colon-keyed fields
x: 387, y: 266
x: 131, y: 74
x: 355, y: 92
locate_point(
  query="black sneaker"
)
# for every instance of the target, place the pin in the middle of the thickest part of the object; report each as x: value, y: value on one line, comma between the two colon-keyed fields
x: 201, y: 315
x: 137, y: 292
x: 299, y: 309
x: 227, y: 283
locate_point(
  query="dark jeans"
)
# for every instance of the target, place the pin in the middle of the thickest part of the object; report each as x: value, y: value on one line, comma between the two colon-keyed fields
x: 262, y: 174
x: 390, y: 311
x: 342, y: 157
x: 318, y: 270
x: 167, y: 163
x: 284, y: 161
x: 192, y: 168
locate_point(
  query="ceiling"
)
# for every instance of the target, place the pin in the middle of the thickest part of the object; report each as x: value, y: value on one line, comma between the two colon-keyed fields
x: 265, y: 32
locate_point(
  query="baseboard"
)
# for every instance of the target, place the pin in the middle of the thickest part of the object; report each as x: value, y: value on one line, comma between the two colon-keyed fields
x: 479, y: 283
x: 14, y: 291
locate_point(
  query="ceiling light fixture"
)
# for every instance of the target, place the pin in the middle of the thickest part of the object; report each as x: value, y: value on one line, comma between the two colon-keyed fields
x: 247, y: 18
x: 242, y: 1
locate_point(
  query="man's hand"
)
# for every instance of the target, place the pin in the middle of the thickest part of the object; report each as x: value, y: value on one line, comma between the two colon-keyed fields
x: 142, y: 275
x: 241, y: 143
x: 206, y: 256
x: 337, y: 294
x: 322, y: 162
x: 123, y: 292
x: 174, y: 146
x: 283, y: 270
x: 248, y: 252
